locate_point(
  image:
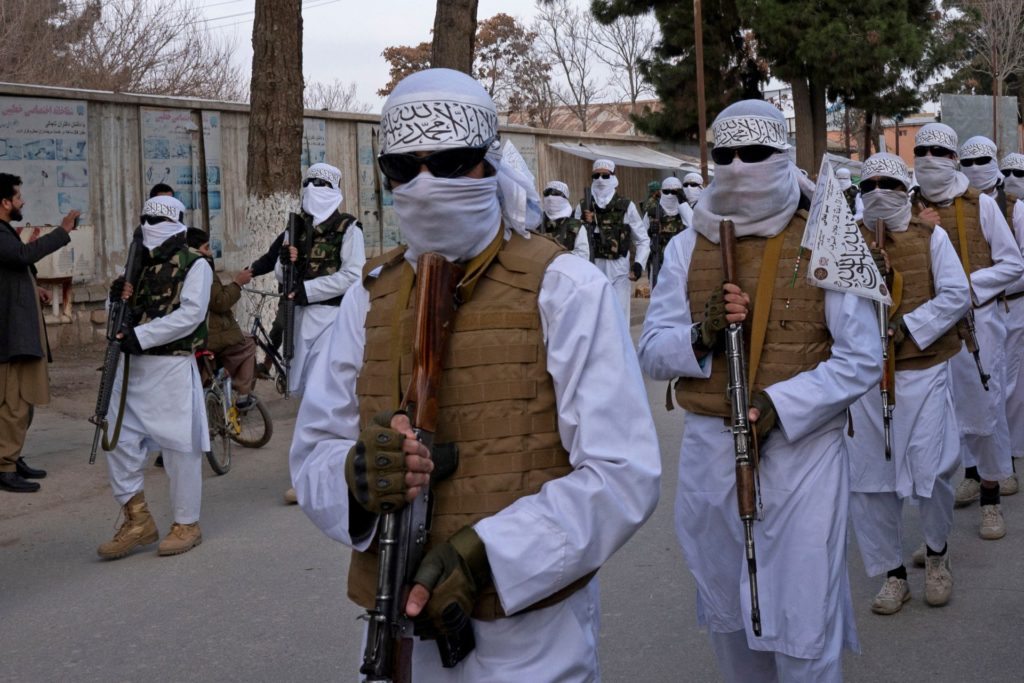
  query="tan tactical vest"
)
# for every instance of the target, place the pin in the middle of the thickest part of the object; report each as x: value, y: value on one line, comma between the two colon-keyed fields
x: 797, y: 337
x: 978, y: 250
x: 497, y: 400
x: 910, y: 253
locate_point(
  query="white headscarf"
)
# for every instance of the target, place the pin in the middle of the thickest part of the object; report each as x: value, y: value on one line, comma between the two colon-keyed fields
x: 322, y: 202
x: 983, y: 178
x: 892, y: 206
x: 760, y: 198
x: 601, y: 189
x: 1013, y: 184
x: 843, y: 176
x: 556, y: 207
x: 439, y: 109
x: 168, y: 207
x: 938, y: 177
x: 670, y: 202
x: 693, y: 193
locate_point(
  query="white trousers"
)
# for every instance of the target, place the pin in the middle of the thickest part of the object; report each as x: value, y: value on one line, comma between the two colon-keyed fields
x: 127, y: 462
x: 878, y: 523
x: 617, y: 272
x: 739, y: 664
x: 1014, y: 386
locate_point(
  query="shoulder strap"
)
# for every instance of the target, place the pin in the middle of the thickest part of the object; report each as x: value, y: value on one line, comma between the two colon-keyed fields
x: 386, y: 260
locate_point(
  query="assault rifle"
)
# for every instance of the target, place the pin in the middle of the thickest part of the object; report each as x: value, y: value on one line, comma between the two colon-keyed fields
x: 118, y: 321
x: 654, y: 232
x: 403, y: 536
x: 291, y: 280
x: 744, y: 442
x: 887, y: 379
x: 593, y: 231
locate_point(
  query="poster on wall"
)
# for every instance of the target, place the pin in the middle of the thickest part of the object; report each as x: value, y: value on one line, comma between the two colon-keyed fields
x: 44, y: 142
x: 314, y: 142
x: 171, y: 155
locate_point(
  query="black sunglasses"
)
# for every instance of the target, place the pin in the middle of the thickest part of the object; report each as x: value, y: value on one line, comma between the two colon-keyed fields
x: 934, y: 150
x: 153, y: 220
x: 1017, y: 173
x: 883, y: 184
x: 751, y: 154
x: 316, y: 182
x: 976, y: 161
x: 674, y: 193
x: 551, y: 192
x: 692, y: 184
x: 602, y: 176
x: 446, y: 163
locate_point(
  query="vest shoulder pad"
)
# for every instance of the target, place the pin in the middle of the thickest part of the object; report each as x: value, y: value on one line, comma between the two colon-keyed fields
x: 622, y: 203
x: 522, y: 262
x: 919, y: 224
x: 971, y: 196
x: 348, y: 219
x: 385, y: 260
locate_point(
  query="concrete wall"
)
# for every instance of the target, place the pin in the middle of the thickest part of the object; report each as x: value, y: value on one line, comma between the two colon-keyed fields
x: 117, y: 187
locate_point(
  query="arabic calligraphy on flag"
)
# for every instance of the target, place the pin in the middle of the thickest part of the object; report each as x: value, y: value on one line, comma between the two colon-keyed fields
x: 840, y: 258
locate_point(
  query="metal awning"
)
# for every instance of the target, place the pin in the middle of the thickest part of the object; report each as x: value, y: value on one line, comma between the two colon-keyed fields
x: 632, y: 156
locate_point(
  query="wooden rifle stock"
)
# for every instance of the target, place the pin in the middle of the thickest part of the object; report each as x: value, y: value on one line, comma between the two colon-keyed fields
x: 744, y: 441
x: 403, y: 535
x: 886, y: 385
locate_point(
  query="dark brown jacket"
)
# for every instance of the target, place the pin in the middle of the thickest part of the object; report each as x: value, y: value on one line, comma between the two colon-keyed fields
x: 224, y: 329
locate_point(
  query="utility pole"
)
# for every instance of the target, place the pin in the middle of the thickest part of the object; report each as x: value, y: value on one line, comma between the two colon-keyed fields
x: 702, y: 121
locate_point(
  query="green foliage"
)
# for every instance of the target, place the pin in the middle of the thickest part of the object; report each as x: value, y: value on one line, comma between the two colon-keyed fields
x: 732, y: 69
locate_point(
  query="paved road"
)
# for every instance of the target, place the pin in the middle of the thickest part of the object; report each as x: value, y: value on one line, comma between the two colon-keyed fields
x: 263, y: 598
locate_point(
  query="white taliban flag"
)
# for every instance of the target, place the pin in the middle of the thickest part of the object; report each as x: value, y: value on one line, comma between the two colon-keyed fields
x: 840, y: 259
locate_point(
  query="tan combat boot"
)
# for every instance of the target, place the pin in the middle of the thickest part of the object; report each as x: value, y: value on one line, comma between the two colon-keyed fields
x: 138, y: 529
x: 181, y: 539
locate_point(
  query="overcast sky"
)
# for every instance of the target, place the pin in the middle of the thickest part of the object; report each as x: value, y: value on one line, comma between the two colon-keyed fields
x: 344, y: 38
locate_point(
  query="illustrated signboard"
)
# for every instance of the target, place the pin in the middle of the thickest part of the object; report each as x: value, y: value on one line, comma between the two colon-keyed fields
x: 170, y: 154
x: 44, y: 142
x: 314, y: 142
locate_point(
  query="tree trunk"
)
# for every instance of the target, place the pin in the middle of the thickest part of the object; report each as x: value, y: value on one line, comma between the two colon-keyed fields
x: 454, y: 34
x: 817, y: 92
x: 869, y: 126
x: 804, y: 125
x: 273, y: 173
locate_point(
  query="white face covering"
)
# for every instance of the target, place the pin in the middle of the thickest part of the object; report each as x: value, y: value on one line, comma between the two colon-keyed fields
x: 155, y: 235
x: 692, y: 194
x: 556, y: 207
x: 983, y: 178
x: 670, y: 204
x: 320, y: 202
x: 845, y: 184
x: 1014, y: 185
x: 456, y: 217
x: 892, y: 206
x: 939, y: 180
x: 603, y: 190
x: 760, y: 198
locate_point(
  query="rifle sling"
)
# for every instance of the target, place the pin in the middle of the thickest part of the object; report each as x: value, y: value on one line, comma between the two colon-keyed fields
x: 111, y: 444
x: 763, y: 303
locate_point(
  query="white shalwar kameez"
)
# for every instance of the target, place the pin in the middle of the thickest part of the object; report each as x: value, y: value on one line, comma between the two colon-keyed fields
x: 926, y: 445
x: 165, y: 409
x: 541, y: 542
x: 1015, y: 348
x: 806, y: 611
x: 984, y: 434
x: 313, y: 319
x: 617, y: 270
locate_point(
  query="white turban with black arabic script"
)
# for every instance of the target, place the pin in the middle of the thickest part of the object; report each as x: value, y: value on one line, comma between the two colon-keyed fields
x: 751, y: 122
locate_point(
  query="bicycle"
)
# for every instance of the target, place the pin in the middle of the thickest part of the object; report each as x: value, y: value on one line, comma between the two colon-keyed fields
x: 250, y: 427
x: 254, y: 305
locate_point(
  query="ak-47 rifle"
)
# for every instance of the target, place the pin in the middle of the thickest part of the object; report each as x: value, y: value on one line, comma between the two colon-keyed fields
x: 118, y: 321
x: 885, y: 386
x: 295, y: 227
x: 403, y: 534
x: 966, y: 328
x: 593, y: 231
x: 654, y: 232
x: 744, y: 443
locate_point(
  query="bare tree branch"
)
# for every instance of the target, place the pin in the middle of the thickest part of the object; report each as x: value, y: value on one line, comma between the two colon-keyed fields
x: 625, y: 44
x: 333, y: 96
x: 565, y: 37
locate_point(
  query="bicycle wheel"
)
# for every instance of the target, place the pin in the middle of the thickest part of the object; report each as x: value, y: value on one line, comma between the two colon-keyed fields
x: 219, y: 454
x: 256, y: 427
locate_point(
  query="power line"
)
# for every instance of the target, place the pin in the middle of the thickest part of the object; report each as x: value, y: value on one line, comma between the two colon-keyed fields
x: 307, y: 4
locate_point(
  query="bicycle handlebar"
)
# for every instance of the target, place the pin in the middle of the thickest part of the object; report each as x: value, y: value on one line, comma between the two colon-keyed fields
x: 261, y: 292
